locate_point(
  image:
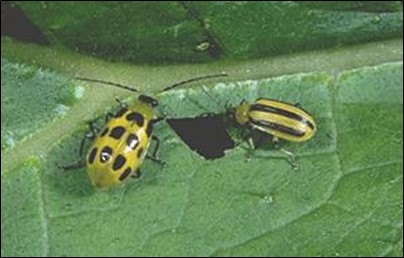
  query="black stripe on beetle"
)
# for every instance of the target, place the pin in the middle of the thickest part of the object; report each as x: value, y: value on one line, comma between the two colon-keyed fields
x: 117, y: 132
x: 119, y: 162
x: 92, y: 155
x: 125, y: 174
x: 282, y: 112
x: 105, y: 154
x: 277, y: 127
x: 136, y: 117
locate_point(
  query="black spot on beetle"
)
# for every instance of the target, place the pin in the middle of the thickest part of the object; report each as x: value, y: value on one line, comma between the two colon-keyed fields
x: 132, y: 141
x: 125, y: 174
x: 104, y: 132
x: 139, y: 153
x: 136, y: 117
x: 105, y: 154
x: 119, y: 162
x: 92, y: 155
x: 117, y: 132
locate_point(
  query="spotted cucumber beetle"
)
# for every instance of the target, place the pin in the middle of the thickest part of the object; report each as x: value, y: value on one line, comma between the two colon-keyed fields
x: 118, y: 150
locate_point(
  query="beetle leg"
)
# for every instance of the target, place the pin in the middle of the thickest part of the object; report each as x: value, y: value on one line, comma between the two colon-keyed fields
x: 94, y: 129
x: 121, y: 104
x: 154, y: 153
x: 247, y: 137
x: 261, y: 140
x: 289, y: 155
x: 71, y: 166
x: 291, y: 159
x: 158, y: 120
x: 275, y: 141
x: 251, y: 149
x: 80, y: 163
x: 90, y: 136
x: 137, y: 174
x: 108, y: 116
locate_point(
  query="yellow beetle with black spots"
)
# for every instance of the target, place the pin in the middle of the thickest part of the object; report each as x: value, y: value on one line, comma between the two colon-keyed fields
x: 118, y: 150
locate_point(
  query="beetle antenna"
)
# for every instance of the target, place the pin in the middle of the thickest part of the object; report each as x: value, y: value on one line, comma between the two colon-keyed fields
x: 211, y: 97
x: 118, y: 85
x: 194, y: 80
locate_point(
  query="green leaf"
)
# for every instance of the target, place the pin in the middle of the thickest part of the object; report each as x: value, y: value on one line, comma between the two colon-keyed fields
x: 200, y: 31
x: 345, y: 199
x: 22, y: 210
x: 26, y: 88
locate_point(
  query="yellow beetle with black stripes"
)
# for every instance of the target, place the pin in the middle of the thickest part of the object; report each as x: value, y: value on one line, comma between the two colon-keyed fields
x: 274, y: 118
x: 279, y: 119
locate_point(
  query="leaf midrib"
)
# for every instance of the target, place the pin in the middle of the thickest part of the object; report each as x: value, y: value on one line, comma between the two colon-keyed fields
x: 157, y: 77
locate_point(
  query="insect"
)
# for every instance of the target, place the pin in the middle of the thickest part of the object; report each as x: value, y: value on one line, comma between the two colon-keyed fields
x: 276, y: 119
x: 118, y: 150
x: 279, y: 119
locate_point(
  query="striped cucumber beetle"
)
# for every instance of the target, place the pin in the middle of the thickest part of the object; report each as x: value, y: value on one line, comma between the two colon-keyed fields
x: 118, y: 150
x: 276, y: 119
x: 279, y: 119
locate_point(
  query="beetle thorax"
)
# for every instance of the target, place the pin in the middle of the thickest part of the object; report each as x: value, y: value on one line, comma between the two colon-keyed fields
x: 242, y: 113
